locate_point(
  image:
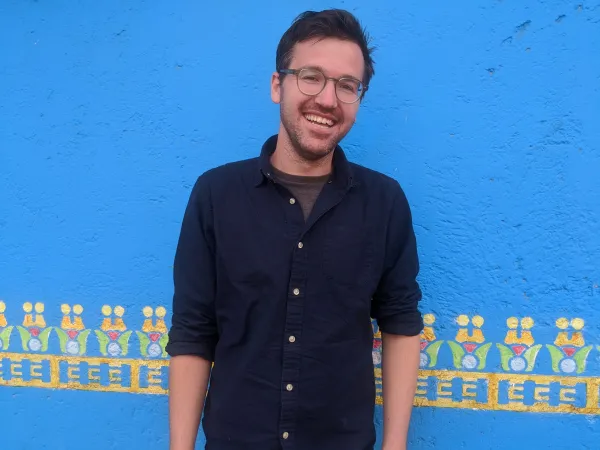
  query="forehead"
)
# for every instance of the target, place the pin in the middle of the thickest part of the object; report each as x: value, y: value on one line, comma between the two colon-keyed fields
x: 335, y: 56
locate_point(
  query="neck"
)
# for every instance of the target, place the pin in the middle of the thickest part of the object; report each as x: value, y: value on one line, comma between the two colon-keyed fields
x: 288, y: 160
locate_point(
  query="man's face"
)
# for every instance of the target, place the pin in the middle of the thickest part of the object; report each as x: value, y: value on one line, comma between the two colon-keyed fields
x: 336, y: 58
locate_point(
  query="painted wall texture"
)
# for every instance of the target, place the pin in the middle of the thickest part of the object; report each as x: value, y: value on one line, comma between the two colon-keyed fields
x: 486, y: 112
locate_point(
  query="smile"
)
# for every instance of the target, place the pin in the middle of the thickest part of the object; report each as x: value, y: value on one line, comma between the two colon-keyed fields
x: 319, y: 120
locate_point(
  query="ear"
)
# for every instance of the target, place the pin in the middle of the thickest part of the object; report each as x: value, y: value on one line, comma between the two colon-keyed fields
x: 275, y: 88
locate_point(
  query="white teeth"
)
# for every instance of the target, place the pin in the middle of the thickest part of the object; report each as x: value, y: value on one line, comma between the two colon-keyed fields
x: 319, y: 119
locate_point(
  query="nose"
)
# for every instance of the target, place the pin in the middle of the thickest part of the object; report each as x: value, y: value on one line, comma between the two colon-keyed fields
x: 327, y: 98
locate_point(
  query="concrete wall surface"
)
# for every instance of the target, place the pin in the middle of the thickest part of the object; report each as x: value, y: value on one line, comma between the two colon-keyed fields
x: 487, y: 113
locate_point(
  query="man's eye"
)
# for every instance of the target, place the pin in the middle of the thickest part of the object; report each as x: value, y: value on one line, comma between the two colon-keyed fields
x: 349, y: 87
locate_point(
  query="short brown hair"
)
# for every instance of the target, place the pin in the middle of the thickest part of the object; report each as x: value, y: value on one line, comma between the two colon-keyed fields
x: 335, y: 23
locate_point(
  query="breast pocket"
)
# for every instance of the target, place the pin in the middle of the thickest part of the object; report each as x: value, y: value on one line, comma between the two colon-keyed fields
x: 348, y: 258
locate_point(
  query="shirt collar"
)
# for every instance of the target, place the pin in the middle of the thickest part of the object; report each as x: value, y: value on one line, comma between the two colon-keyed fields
x: 342, y: 175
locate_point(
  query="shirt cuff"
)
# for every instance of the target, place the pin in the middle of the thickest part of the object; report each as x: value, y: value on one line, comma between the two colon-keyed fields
x: 402, y: 324
x: 205, y: 350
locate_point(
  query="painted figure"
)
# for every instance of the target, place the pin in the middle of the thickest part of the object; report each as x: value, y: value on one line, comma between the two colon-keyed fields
x: 113, y: 336
x: 282, y: 262
x: 153, y: 337
x: 469, y: 351
x: 519, y: 353
x: 569, y: 352
x: 72, y: 333
x: 34, y: 332
x: 5, y: 329
x: 430, y: 345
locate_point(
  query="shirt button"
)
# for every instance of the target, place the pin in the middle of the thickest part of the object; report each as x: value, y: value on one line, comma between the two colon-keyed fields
x: 296, y: 291
x: 292, y: 339
x: 289, y: 387
x: 286, y: 435
x: 292, y: 201
x: 300, y: 245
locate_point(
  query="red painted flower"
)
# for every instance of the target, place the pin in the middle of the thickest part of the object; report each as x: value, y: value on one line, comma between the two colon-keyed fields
x: 518, y: 349
x: 72, y: 333
x: 113, y: 335
x: 469, y: 347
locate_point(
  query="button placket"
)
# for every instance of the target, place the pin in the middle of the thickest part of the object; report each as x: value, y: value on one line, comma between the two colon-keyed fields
x: 293, y: 326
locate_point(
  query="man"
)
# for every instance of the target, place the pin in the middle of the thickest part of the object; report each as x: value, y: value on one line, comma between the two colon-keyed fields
x: 281, y: 263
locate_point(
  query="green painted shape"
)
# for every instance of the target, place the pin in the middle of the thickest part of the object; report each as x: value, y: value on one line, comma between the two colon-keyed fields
x: 44, y: 335
x: 481, y: 354
x: 530, y: 356
x: 164, y: 340
x: 25, y: 335
x: 102, y: 341
x: 505, y: 355
x: 144, y: 342
x: 123, y: 341
x: 5, y: 337
x: 581, y: 356
x: 457, y: 353
x: 556, y: 354
x: 432, y: 350
x: 82, y: 340
x: 62, y: 338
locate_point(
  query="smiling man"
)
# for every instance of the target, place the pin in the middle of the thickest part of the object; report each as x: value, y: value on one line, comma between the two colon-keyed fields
x: 283, y: 260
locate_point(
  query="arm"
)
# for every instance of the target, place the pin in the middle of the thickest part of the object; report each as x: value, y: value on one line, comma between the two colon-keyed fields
x: 400, y: 364
x: 395, y: 307
x: 193, y: 334
x: 188, y: 379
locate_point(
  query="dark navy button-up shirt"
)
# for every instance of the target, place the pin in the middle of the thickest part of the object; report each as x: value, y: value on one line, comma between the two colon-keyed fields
x: 283, y: 306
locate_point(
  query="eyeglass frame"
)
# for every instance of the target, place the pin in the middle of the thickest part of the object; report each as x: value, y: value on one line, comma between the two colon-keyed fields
x: 335, y: 80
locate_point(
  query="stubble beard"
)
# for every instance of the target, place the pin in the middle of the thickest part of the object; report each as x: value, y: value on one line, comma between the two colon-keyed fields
x: 299, y: 142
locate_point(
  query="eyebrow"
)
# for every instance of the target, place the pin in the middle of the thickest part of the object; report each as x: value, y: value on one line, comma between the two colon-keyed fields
x: 324, y: 71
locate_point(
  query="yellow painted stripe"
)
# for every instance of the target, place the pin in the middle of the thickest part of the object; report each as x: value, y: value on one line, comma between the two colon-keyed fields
x: 436, y: 388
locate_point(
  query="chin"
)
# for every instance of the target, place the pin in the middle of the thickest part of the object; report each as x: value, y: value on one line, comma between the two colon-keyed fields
x: 319, y: 145
x: 315, y: 149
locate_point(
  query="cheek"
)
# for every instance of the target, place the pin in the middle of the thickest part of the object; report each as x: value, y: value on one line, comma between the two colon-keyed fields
x: 349, y: 117
x: 291, y: 95
x: 290, y: 103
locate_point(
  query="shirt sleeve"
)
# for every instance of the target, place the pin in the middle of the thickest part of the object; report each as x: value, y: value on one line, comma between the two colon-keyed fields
x: 395, y: 301
x: 193, y: 328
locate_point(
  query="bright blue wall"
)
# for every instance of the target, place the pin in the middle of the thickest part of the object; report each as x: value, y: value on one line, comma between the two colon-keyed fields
x: 487, y: 113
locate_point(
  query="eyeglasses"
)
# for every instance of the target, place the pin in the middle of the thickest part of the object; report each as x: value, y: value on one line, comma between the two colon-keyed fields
x: 312, y: 82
